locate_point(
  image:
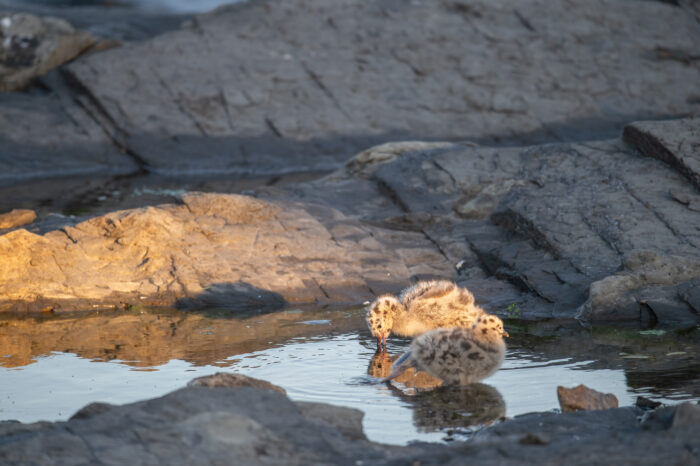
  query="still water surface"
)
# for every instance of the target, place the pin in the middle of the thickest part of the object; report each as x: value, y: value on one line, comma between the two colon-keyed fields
x: 52, y: 366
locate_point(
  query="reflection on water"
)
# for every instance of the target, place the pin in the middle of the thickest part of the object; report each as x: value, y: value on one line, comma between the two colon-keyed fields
x: 50, y: 366
x: 437, y: 408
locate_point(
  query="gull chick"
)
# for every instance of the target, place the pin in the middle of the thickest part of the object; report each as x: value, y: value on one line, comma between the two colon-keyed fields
x: 458, y: 356
x: 424, y: 306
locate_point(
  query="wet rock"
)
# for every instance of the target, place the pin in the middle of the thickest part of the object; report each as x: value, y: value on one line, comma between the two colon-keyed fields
x: 683, y: 416
x: 582, y: 398
x: 210, y: 249
x: 30, y: 46
x: 17, y: 218
x: 91, y: 410
x: 229, y: 380
x: 646, y: 403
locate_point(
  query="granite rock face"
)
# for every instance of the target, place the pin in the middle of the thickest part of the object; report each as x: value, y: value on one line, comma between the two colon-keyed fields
x: 30, y: 46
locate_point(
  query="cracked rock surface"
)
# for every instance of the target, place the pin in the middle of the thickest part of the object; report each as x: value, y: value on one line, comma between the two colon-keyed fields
x: 595, y: 231
x: 271, y: 86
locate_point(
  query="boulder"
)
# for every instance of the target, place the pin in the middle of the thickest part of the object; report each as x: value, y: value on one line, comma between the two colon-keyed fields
x: 582, y: 398
x: 30, y: 46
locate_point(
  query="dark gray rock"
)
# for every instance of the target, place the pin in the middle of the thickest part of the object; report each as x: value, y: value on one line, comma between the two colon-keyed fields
x: 30, y: 46
x: 586, y: 230
x: 675, y: 142
x: 203, y: 425
x: 272, y: 85
x: 75, y: 144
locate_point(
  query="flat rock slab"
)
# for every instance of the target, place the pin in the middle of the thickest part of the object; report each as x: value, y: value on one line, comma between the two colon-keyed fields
x: 223, y: 251
x: 75, y: 144
x: 274, y: 85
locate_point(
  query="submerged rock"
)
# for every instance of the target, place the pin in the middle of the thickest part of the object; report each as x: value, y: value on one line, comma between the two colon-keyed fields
x: 229, y: 380
x: 582, y: 398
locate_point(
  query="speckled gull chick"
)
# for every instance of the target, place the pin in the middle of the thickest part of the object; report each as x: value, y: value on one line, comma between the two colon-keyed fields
x: 457, y: 355
x: 424, y: 306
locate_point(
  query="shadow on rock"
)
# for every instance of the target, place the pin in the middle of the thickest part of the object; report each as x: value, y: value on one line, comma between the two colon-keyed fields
x: 234, y: 297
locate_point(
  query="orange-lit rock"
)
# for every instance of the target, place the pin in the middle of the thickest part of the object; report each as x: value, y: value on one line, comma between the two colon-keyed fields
x: 211, y: 251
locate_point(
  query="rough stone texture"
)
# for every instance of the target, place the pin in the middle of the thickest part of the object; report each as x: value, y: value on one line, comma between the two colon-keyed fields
x: 357, y: 74
x: 582, y: 398
x: 30, y: 46
x: 227, y: 251
x: 354, y: 74
x: 558, y: 231
x: 654, y: 284
x: 199, y: 425
x: 191, y: 426
x: 594, y: 231
x: 17, y: 218
x: 229, y: 380
x: 675, y: 142
x: 76, y: 145
x: 346, y: 420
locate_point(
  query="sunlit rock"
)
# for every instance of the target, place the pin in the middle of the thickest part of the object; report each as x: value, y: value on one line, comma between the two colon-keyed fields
x: 582, y: 398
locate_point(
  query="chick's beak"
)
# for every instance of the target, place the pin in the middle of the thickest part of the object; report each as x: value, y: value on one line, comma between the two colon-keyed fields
x: 381, y: 340
x: 505, y: 334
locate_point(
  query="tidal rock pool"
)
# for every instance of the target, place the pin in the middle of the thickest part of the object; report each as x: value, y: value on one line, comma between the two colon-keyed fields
x: 52, y: 365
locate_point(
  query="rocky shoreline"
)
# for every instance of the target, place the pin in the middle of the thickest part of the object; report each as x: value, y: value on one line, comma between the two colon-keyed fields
x: 255, y: 423
x: 315, y: 152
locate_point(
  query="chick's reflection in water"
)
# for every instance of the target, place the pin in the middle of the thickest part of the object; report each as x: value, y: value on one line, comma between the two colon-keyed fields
x: 380, y: 368
x: 437, y: 407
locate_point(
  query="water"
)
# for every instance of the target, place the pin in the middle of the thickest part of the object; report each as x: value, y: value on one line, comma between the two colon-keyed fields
x: 50, y: 366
